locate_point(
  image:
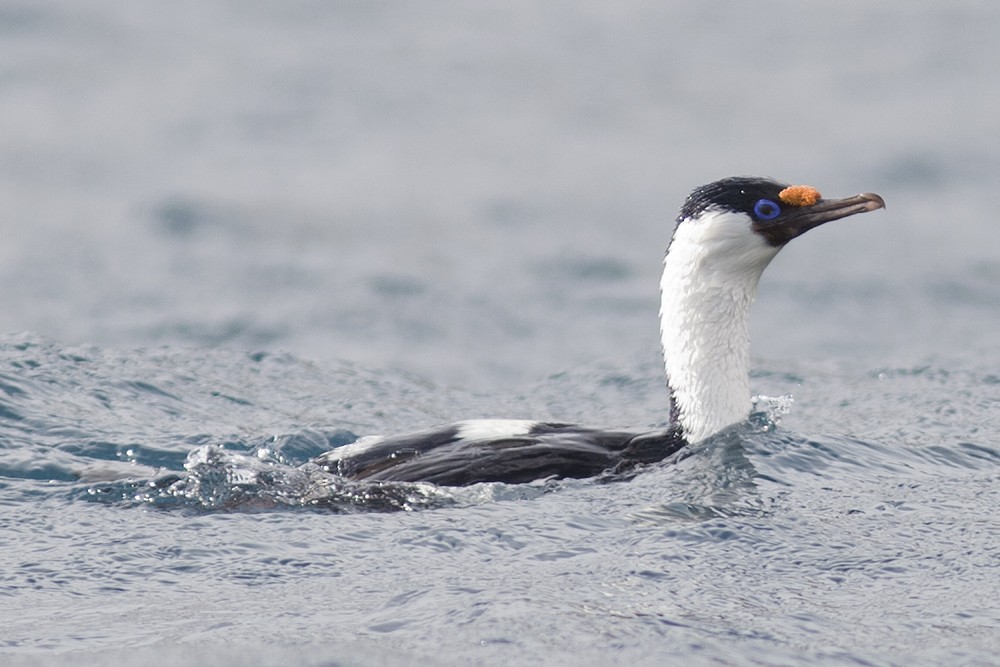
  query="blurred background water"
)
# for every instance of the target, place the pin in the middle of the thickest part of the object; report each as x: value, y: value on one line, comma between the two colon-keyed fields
x: 237, y: 233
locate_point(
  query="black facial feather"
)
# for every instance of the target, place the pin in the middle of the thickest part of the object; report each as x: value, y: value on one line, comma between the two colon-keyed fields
x: 737, y: 194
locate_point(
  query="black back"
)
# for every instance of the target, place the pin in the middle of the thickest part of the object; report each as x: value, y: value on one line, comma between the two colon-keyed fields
x: 549, y: 450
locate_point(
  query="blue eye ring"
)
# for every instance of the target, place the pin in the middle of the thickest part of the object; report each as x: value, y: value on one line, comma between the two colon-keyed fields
x: 766, y: 209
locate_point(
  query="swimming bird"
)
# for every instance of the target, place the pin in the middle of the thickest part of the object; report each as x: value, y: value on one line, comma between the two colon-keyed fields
x: 726, y: 234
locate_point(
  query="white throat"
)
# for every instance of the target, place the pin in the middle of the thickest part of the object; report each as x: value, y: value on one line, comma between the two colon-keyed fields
x: 710, y: 277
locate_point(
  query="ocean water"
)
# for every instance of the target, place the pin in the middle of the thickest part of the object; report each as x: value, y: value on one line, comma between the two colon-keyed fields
x: 236, y: 235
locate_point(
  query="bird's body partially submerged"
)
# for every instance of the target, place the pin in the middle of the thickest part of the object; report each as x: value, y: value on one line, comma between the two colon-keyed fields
x: 726, y: 235
x: 499, y: 450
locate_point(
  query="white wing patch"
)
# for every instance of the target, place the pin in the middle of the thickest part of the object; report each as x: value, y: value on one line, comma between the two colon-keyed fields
x: 470, y: 430
x: 487, y: 429
x: 351, y: 449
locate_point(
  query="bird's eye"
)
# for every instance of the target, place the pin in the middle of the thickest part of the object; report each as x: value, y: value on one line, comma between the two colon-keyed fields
x: 765, y: 209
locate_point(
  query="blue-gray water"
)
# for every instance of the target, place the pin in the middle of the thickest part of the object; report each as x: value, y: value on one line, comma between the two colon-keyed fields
x: 238, y: 233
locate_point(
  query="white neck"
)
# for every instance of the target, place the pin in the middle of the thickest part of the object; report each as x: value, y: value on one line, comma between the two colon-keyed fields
x: 710, y: 277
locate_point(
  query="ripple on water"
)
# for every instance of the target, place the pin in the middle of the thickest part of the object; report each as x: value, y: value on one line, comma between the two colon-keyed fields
x: 760, y: 538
